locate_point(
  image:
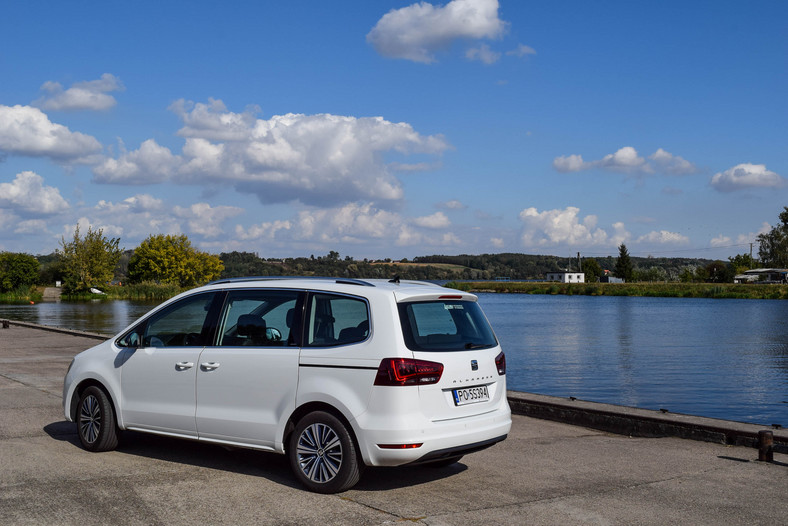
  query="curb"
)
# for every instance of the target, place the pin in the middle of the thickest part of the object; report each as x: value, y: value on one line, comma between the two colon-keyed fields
x: 638, y: 422
x: 72, y: 332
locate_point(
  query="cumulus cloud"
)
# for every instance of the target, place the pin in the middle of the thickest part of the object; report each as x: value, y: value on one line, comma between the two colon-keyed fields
x: 497, y: 242
x: 319, y: 159
x: 671, y: 164
x: 86, y: 95
x: 25, y: 130
x: 205, y: 220
x: 564, y: 227
x: 744, y: 176
x: 265, y: 231
x: 663, y: 237
x: 28, y: 195
x: 436, y: 220
x: 720, y: 241
x: 627, y: 160
x: 151, y: 163
x: 418, y: 31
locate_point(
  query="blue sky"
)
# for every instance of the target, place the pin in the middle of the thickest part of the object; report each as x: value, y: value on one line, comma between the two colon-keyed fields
x: 396, y: 129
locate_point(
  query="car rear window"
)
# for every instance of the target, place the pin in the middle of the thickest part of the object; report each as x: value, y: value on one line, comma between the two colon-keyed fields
x: 445, y: 325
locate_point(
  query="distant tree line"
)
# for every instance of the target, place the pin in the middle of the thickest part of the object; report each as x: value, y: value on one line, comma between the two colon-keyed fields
x: 94, y: 260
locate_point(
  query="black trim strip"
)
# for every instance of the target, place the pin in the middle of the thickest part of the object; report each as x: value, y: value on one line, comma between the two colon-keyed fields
x: 338, y: 366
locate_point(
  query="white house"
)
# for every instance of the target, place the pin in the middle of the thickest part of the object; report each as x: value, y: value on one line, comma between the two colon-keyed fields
x: 567, y: 277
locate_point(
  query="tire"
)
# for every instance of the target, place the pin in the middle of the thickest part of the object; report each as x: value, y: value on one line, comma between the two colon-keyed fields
x: 444, y: 462
x: 96, y: 425
x: 323, y: 454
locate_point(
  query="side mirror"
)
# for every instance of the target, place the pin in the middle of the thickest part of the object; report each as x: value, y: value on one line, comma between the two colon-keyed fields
x: 273, y: 335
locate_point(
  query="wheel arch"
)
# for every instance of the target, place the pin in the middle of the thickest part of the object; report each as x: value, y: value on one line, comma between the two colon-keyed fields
x: 77, y: 394
x: 311, y: 407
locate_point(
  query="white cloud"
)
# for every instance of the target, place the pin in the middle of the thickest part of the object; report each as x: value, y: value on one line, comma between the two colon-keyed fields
x: 151, y: 163
x: 483, y: 54
x: 353, y: 222
x: 497, y: 242
x: 671, y: 164
x: 31, y: 226
x: 627, y: 160
x: 564, y: 227
x: 28, y: 195
x: 86, y: 95
x: 746, y: 175
x: 720, y: 241
x: 418, y: 31
x: 436, y: 220
x: 521, y: 51
x: 664, y: 237
x: 266, y: 230
x: 204, y: 220
x: 571, y: 163
x: 316, y: 159
x: 25, y: 130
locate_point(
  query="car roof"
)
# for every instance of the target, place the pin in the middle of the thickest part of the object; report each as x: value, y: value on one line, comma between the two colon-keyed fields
x: 402, y: 289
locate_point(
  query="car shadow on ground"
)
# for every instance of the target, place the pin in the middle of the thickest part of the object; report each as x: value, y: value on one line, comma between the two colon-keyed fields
x: 271, y: 466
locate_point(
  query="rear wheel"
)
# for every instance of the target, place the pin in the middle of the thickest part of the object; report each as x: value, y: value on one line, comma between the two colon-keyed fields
x: 323, y: 455
x: 96, y: 421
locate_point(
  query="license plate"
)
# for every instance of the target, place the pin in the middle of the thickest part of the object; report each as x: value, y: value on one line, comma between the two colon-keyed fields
x: 471, y: 395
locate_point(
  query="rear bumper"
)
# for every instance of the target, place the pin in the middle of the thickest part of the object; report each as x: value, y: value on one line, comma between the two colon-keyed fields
x: 442, y: 454
x: 438, y: 440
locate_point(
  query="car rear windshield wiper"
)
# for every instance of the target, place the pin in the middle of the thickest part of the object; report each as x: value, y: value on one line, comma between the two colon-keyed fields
x: 471, y: 345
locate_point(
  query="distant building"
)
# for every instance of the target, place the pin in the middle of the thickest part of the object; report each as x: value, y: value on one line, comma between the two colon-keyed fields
x: 762, y: 275
x: 567, y: 277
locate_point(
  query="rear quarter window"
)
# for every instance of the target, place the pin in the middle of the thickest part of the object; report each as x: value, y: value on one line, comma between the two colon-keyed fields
x: 445, y: 326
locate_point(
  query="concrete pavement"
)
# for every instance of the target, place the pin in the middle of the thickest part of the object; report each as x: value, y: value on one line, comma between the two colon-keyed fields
x: 544, y: 473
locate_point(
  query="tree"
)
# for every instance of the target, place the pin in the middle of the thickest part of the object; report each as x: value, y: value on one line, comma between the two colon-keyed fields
x: 17, y: 270
x: 623, y: 267
x: 773, y: 249
x: 88, y: 261
x: 741, y: 263
x: 592, y: 269
x: 719, y: 272
x: 172, y: 259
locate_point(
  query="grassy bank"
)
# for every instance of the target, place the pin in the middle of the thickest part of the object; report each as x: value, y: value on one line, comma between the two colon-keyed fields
x: 22, y: 295
x: 139, y: 291
x: 664, y: 290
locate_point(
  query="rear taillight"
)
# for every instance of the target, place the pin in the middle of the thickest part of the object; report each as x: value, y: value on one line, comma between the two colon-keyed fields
x: 407, y: 371
x: 500, y: 363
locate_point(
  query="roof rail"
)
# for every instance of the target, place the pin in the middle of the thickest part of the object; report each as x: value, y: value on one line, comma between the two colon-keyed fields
x: 346, y: 281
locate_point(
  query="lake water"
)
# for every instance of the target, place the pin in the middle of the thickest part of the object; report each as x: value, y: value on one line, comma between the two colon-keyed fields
x: 717, y: 358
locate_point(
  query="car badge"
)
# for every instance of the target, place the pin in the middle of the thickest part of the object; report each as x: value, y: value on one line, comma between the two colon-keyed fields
x: 474, y: 365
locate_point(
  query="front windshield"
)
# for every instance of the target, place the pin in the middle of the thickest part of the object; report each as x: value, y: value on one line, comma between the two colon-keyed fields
x: 445, y: 325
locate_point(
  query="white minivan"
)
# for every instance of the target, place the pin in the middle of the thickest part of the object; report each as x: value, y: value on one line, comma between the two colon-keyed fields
x: 337, y: 374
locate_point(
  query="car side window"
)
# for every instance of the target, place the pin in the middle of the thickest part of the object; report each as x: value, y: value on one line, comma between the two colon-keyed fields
x: 259, y: 318
x: 183, y: 324
x: 336, y: 320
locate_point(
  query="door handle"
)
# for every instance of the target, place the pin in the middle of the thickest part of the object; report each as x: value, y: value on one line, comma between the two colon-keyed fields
x: 209, y: 366
x: 184, y: 365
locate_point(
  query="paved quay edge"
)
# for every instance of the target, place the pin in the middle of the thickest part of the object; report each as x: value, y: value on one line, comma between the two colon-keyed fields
x: 622, y: 420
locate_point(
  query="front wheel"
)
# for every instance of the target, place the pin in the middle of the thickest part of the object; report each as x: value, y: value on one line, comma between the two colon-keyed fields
x: 96, y: 421
x: 323, y: 455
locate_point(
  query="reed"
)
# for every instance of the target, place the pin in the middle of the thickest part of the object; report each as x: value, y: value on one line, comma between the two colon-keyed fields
x: 659, y: 290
